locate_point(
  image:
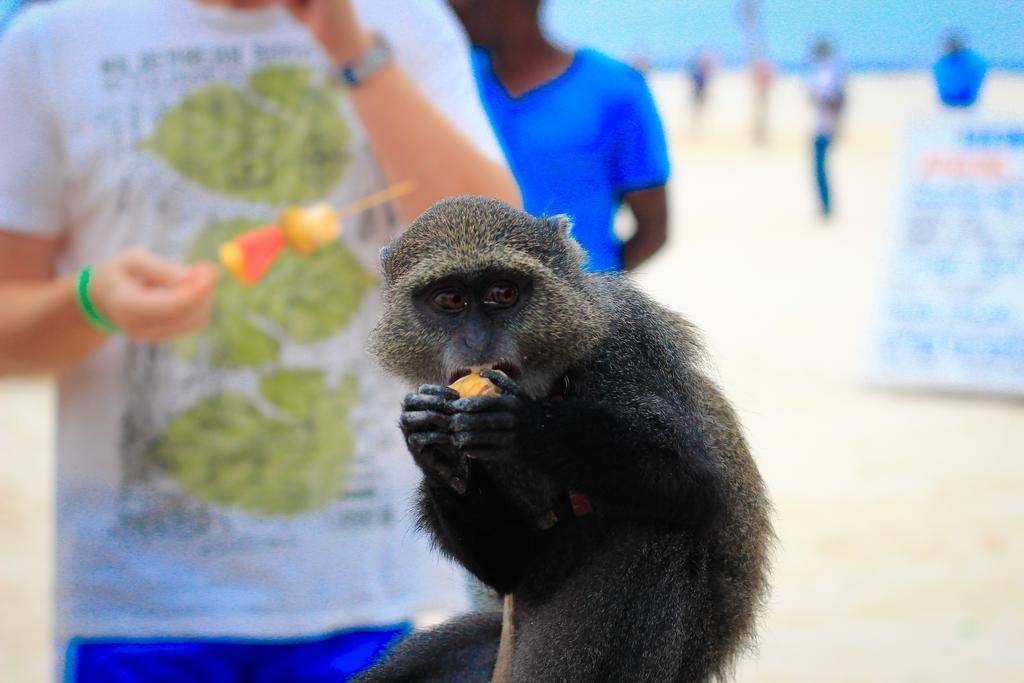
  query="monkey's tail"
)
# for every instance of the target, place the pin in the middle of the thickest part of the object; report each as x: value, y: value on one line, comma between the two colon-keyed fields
x: 461, y: 650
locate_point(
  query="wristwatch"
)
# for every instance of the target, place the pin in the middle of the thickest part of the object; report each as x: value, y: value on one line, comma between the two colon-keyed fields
x: 380, y: 55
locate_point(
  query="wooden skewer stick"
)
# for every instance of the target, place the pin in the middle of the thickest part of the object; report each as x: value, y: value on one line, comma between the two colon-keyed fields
x: 377, y: 198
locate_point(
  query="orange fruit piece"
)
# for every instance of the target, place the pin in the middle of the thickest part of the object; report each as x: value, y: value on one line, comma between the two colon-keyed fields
x: 309, y: 228
x: 475, y: 385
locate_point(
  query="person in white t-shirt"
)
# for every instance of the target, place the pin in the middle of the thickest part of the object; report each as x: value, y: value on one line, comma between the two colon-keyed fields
x: 826, y: 85
x: 233, y: 492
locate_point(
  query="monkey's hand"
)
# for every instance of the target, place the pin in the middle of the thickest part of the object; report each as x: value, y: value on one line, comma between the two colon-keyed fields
x: 486, y: 427
x: 427, y: 425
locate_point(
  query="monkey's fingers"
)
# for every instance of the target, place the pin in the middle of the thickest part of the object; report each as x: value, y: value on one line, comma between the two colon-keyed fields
x: 433, y: 453
x: 428, y: 402
x: 483, y: 441
x: 413, y: 421
x: 438, y: 390
x: 487, y: 404
x: 482, y: 422
x: 420, y: 441
x: 503, y: 381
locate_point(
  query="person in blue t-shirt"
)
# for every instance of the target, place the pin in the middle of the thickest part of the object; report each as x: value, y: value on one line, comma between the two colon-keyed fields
x: 959, y: 73
x: 579, y: 128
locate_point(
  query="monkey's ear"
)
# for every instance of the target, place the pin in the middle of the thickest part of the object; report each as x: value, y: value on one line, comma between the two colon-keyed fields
x: 561, y: 224
x: 385, y: 258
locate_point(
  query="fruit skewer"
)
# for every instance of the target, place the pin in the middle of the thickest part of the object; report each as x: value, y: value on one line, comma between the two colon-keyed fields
x: 250, y: 255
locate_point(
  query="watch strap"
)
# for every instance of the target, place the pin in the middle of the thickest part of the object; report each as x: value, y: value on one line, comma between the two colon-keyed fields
x: 380, y: 55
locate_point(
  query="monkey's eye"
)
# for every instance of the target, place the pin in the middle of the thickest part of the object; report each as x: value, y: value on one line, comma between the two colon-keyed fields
x: 450, y: 300
x: 502, y: 295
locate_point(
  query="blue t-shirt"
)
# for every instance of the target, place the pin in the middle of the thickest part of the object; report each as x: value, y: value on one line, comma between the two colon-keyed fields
x: 578, y: 143
x: 959, y: 76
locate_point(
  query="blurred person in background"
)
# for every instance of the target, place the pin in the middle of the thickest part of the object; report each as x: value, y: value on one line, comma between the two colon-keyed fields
x: 7, y: 10
x: 641, y: 61
x: 232, y: 504
x: 762, y: 72
x: 700, y: 68
x: 580, y: 130
x: 828, y: 94
x: 762, y: 75
x: 959, y: 73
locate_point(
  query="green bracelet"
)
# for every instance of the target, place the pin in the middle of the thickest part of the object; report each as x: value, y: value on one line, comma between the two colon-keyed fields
x: 91, y: 314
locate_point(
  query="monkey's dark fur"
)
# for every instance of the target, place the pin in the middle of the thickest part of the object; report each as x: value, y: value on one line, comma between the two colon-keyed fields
x: 606, y: 396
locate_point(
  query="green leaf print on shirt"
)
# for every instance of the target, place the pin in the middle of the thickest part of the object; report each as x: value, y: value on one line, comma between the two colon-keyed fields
x: 289, y: 454
x: 281, y: 140
x: 305, y: 298
x: 226, y: 450
x: 284, y: 450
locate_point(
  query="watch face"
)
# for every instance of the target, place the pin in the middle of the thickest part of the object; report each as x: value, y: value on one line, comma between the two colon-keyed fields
x: 378, y: 56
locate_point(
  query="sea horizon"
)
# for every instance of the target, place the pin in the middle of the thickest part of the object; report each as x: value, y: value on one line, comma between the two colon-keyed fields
x: 871, y: 35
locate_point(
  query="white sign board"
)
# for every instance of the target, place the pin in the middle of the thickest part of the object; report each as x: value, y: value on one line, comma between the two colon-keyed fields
x: 952, y: 311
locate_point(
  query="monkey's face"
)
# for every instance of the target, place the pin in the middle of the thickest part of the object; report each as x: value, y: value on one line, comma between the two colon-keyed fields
x: 481, y: 317
x: 498, y: 318
x: 475, y: 283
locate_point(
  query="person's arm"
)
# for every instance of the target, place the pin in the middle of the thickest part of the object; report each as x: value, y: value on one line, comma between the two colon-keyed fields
x: 43, y: 329
x: 650, y: 209
x: 640, y: 167
x: 410, y: 137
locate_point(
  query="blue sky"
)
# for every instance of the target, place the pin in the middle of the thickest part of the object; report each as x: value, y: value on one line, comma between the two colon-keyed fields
x: 871, y: 33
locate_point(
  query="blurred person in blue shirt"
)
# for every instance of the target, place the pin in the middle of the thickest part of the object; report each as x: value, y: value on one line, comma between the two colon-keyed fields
x: 580, y: 130
x: 7, y: 9
x: 959, y: 73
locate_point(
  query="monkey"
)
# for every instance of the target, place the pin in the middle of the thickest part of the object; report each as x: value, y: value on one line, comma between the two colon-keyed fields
x: 607, y: 491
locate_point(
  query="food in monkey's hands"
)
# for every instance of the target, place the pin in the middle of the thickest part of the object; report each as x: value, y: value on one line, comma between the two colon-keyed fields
x: 474, y: 384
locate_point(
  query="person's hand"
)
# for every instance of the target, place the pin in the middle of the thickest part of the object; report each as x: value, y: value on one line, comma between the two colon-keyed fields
x: 336, y: 25
x: 151, y: 299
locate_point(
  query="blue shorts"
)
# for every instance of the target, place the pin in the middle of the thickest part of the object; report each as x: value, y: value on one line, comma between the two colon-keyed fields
x: 333, y: 658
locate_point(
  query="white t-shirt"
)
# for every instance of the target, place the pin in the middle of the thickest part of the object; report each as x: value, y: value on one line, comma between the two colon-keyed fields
x: 825, y: 81
x: 250, y: 480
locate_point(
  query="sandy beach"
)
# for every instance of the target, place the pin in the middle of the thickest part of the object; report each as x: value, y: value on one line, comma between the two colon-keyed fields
x: 899, y: 513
